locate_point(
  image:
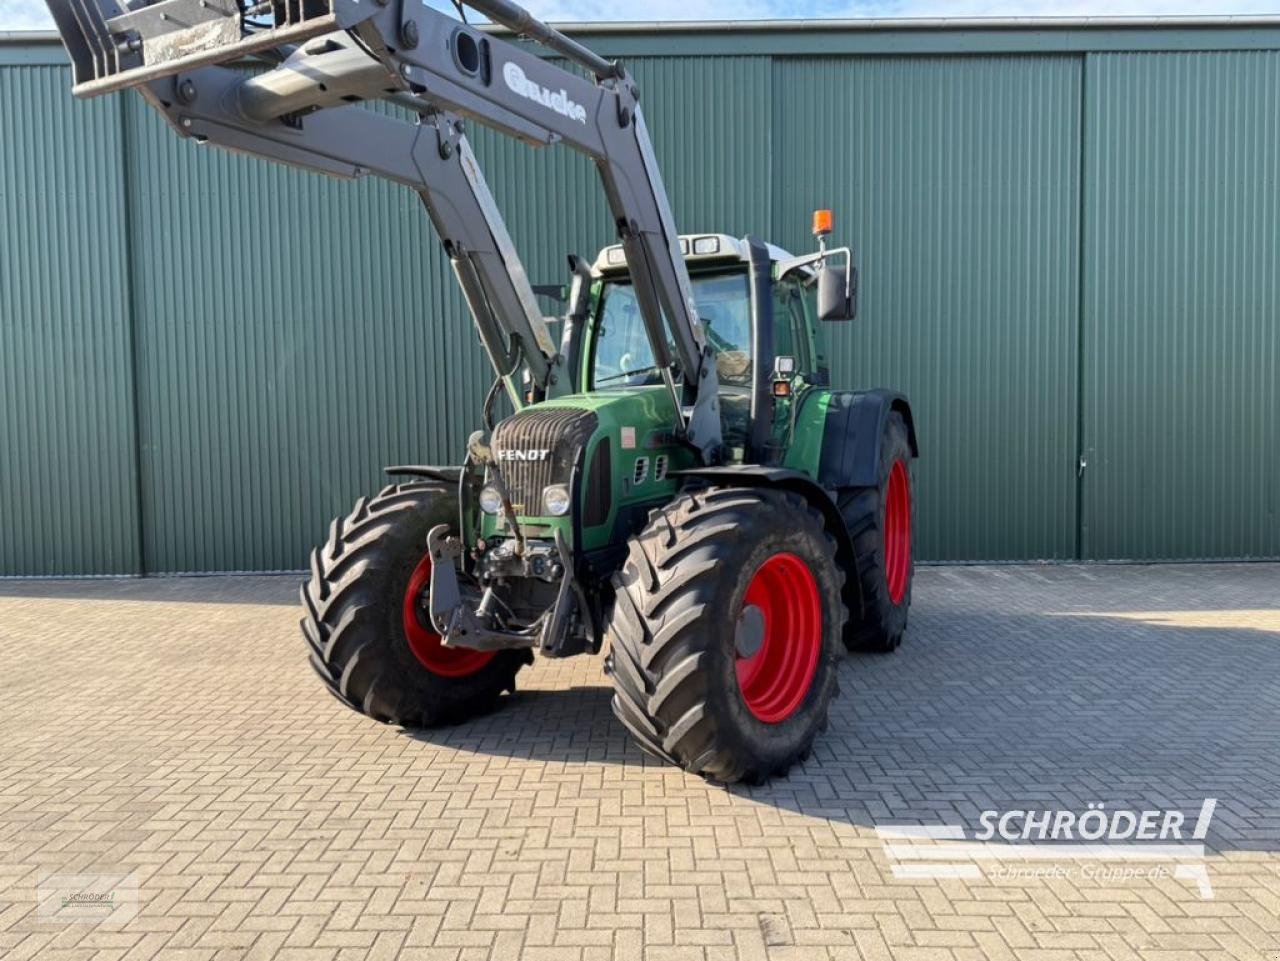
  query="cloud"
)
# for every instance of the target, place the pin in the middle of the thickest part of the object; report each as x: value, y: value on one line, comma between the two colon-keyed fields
x: 32, y: 15
x: 24, y: 15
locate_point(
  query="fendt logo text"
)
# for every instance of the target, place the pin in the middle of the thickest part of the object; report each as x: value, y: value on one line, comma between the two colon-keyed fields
x: 523, y: 454
x: 558, y: 101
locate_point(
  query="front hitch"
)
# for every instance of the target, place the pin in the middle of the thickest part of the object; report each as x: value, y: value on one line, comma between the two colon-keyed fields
x: 446, y: 595
x: 460, y: 626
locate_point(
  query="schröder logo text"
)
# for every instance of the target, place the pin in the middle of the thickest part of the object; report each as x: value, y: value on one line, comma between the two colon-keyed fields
x: 1095, y: 824
x: 1098, y: 833
x: 558, y: 101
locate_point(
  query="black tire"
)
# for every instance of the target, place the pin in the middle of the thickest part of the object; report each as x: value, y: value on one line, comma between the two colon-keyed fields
x: 883, y: 622
x: 354, y: 615
x: 672, y: 631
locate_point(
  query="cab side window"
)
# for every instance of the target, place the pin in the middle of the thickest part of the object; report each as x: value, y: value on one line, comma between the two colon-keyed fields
x: 792, y: 313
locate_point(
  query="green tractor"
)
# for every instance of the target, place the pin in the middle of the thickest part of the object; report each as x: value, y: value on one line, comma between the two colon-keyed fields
x: 723, y: 594
x: 676, y: 483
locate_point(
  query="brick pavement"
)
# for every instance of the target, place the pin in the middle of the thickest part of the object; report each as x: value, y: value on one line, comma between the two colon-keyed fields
x: 169, y: 730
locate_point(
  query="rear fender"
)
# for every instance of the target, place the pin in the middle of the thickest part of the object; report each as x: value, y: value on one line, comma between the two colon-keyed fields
x: 853, y: 432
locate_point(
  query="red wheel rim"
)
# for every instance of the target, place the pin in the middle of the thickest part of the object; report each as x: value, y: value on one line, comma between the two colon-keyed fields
x: 897, y: 532
x: 425, y: 643
x: 783, y: 612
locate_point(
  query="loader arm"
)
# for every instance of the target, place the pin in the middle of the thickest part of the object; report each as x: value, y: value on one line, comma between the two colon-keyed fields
x: 326, y: 55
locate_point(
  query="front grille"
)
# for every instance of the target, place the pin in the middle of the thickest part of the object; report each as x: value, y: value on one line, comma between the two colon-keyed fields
x: 561, y: 431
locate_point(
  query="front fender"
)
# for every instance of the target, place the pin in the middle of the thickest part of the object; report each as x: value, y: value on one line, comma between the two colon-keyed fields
x: 820, y: 498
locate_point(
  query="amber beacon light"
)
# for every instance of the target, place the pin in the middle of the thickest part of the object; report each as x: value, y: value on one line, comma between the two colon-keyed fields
x: 822, y: 223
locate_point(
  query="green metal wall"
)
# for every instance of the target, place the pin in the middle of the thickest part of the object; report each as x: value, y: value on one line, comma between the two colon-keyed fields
x: 958, y: 180
x: 1181, y: 326
x: 292, y: 338
x: 205, y: 356
x: 68, y: 449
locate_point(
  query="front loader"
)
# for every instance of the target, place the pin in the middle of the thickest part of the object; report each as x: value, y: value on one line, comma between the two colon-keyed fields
x: 676, y: 481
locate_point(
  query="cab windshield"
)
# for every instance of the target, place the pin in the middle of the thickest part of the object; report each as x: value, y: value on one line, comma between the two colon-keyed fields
x: 622, y: 356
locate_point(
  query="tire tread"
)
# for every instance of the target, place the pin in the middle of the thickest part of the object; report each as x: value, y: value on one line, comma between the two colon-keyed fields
x: 346, y: 609
x: 657, y: 629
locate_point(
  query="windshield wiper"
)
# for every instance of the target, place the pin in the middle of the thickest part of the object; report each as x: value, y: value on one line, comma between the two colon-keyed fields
x: 626, y: 373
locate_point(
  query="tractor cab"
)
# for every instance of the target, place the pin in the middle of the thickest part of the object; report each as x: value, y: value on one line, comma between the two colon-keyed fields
x: 757, y: 307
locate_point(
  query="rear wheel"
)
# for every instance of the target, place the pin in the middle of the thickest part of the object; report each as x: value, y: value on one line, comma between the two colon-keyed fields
x: 364, y: 620
x: 725, y: 632
x: 880, y: 521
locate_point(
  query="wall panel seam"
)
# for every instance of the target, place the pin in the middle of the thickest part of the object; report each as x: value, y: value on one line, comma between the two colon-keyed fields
x: 130, y: 212
x: 1081, y: 252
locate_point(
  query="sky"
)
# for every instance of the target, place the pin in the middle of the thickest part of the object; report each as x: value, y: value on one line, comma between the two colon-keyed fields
x: 31, y: 14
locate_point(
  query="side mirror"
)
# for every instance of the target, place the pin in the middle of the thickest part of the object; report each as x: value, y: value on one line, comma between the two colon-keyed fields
x: 833, y: 301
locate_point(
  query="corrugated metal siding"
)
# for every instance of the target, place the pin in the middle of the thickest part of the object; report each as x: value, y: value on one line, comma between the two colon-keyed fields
x: 552, y: 198
x: 956, y: 180
x: 1182, y: 303
x: 712, y: 115
x: 291, y: 334
x: 295, y: 335
x: 68, y: 492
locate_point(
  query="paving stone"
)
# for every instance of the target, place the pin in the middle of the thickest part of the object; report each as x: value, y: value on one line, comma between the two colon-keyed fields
x: 170, y: 730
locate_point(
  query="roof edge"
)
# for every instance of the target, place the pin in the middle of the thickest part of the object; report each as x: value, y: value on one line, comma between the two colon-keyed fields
x: 862, y: 25
x: 871, y: 24
x: 27, y: 37
x: 912, y: 36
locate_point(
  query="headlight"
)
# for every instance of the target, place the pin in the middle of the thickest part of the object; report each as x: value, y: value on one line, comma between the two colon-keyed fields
x: 490, y: 500
x: 556, y: 500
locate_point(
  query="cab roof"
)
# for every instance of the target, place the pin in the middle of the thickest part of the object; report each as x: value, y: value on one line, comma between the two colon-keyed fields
x: 697, y: 249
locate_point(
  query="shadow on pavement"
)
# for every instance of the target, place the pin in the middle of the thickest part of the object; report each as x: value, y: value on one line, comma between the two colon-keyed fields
x: 991, y: 710
x: 272, y: 589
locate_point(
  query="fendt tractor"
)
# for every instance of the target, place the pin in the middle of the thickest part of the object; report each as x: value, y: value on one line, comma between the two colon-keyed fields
x: 675, y: 480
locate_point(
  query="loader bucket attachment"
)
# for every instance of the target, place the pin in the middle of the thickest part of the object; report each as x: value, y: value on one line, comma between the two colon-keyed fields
x: 117, y: 44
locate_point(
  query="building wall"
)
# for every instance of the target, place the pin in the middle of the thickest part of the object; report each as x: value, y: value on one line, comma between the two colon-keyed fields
x: 68, y: 433
x: 1068, y: 247
x: 1180, y: 328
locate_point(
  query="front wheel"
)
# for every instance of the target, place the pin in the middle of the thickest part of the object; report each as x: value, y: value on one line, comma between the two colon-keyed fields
x: 364, y: 621
x: 725, y: 632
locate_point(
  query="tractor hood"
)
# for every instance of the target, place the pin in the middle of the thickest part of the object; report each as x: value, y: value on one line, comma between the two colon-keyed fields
x: 613, y: 449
